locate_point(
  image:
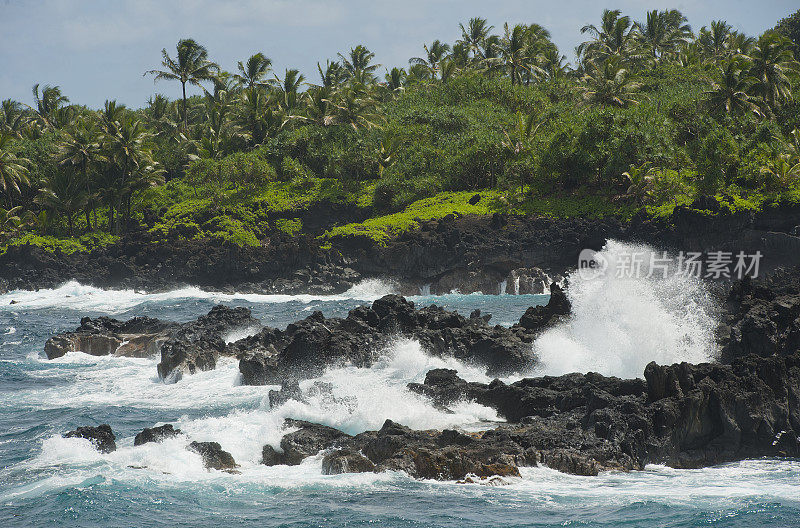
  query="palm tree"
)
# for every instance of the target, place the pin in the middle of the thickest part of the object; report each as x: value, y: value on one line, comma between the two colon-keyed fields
x: 663, y: 32
x: 396, y: 79
x: 434, y: 54
x: 358, y: 65
x: 513, y: 49
x: 553, y: 63
x: 614, y: 37
x: 253, y: 71
x: 609, y: 84
x: 782, y: 172
x: 61, y: 192
x: 191, y: 66
x: 11, y: 221
x: 354, y: 107
x: 474, y: 35
x: 131, y: 161
x: 13, y: 170
x: 333, y: 75
x: 12, y: 118
x: 772, y: 64
x: 728, y: 95
x: 289, y: 89
x: 48, y: 104
x: 81, y: 150
x: 714, y: 40
x: 740, y: 44
x: 519, y: 141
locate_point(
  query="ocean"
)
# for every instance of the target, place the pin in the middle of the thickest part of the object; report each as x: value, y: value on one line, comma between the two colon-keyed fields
x: 617, y: 327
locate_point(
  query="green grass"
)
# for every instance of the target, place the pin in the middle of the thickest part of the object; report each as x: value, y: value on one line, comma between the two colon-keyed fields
x: 67, y: 246
x: 382, y: 228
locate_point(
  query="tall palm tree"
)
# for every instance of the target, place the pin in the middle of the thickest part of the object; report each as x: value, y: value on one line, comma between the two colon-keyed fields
x: 289, y: 89
x: 728, y: 94
x: 614, y: 37
x: 13, y: 170
x: 191, y: 65
x: 513, y: 48
x: 772, y: 65
x: 714, y: 40
x: 434, y: 54
x: 254, y: 71
x: 609, y: 84
x: 358, y: 65
x: 48, y: 103
x: 663, y: 32
x: 130, y: 160
x: 474, y: 35
x: 80, y: 149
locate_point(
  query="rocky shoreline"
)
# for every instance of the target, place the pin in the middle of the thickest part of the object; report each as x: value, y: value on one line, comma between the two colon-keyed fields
x: 469, y: 254
x: 746, y: 405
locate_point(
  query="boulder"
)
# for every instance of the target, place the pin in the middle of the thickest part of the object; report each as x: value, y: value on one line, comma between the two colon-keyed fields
x: 197, y: 345
x: 213, y: 456
x: 101, y: 436
x: 155, y: 434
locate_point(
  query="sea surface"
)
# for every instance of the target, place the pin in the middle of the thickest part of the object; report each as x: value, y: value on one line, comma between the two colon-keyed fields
x: 618, y: 327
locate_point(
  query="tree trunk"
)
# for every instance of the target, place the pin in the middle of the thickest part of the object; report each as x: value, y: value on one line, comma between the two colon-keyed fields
x: 185, y: 114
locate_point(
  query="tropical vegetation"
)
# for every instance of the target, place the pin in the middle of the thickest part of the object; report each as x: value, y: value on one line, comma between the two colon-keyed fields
x: 650, y: 115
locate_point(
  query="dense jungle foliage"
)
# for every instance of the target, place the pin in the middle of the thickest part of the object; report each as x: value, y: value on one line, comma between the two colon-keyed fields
x: 651, y: 116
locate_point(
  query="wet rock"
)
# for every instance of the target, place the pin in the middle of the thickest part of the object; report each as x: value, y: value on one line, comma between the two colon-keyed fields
x: 101, y: 436
x: 290, y: 390
x: 307, y: 441
x: 213, y: 456
x: 538, y: 318
x: 346, y: 461
x: 155, y: 434
x: 197, y: 345
x: 137, y: 337
x: 309, y: 346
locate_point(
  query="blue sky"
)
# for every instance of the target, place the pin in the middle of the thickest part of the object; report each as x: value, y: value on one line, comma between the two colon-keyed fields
x: 99, y: 49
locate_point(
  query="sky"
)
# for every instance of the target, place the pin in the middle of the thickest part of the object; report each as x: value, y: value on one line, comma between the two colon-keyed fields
x: 99, y: 49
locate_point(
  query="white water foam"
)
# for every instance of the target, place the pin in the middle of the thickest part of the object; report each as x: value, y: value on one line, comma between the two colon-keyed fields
x: 348, y: 398
x: 620, y: 324
x: 76, y: 296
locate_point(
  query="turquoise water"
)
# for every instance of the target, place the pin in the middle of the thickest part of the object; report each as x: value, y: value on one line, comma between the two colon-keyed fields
x: 46, y: 480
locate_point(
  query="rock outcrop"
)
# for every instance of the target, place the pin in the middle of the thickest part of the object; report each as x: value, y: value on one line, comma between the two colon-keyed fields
x: 137, y: 337
x: 309, y: 346
x: 214, y: 457
x: 155, y: 434
x: 197, y: 345
x: 101, y: 436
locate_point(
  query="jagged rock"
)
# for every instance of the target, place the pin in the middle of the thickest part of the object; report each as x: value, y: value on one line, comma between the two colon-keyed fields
x: 155, y: 434
x: 137, y: 337
x: 213, y: 456
x: 763, y: 316
x: 197, y: 345
x: 522, y: 281
x: 101, y: 436
x: 290, y: 390
x: 309, y: 346
x: 346, y: 461
x: 536, y: 318
x: 307, y: 441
